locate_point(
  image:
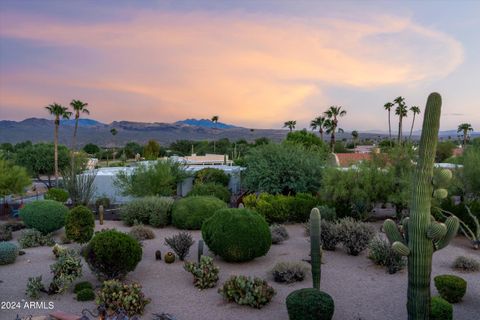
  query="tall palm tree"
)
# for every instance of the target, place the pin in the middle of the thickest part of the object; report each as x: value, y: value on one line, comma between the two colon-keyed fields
x: 401, y: 111
x: 290, y: 124
x: 333, y: 113
x: 388, y: 106
x: 58, y: 111
x: 415, y: 110
x: 114, y: 132
x: 355, y: 137
x: 318, y: 123
x: 464, y: 128
x: 78, y: 107
x: 215, y: 121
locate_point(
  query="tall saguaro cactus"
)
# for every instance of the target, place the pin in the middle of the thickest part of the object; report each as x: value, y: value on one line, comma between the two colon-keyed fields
x: 315, y: 247
x: 422, y: 234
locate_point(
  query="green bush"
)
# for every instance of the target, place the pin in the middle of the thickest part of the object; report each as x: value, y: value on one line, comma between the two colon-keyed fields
x: 33, y: 238
x: 129, y: 297
x: 247, y: 291
x: 205, y: 273
x: 46, y: 216
x: 381, y: 253
x: 79, y: 224
x: 310, y: 304
x: 112, y: 254
x: 82, y: 285
x: 8, y: 253
x: 466, y: 264
x: 451, y: 288
x: 327, y: 213
x: 354, y: 235
x: 211, y: 189
x: 5, y: 233
x: 237, y: 235
x: 34, y: 287
x: 440, y: 309
x: 329, y: 235
x: 155, y: 211
x: 85, y: 295
x: 103, y: 201
x: 289, y: 272
x: 56, y: 194
x: 212, y: 175
x: 65, y: 270
x: 190, y: 213
x: 140, y: 232
x: 301, y: 206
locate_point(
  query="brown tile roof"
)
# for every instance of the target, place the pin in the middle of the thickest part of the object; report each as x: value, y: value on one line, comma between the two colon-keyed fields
x: 348, y: 159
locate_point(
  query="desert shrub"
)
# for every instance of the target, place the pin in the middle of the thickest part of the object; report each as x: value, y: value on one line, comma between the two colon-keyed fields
x: 8, y: 253
x: 82, y: 285
x: 451, y: 288
x: 205, y: 273
x: 381, y: 253
x: 300, y: 207
x: 79, y: 224
x: 289, y: 272
x: 112, y: 254
x: 65, y: 270
x: 466, y: 264
x: 103, y: 201
x: 33, y: 238
x: 46, y: 216
x: 86, y: 295
x: 129, y: 297
x: 243, y: 290
x: 149, y: 210
x: 237, y: 235
x: 211, y: 189
x: 34, y: 287
x: 310, y: 304
x: 56, y: 194
x: 275, y: 208
x: 180, y: 243
x: 5, y: 233
x: 14, y: 225
x: 140, y: 232
x: 279, y: 233
x: 212, y: 175
x: 354, y: 235
x: 58, y: 250
x: 440, y: 309
x: 327, y: 213
x: 329, y: 235
x: 190, y: 213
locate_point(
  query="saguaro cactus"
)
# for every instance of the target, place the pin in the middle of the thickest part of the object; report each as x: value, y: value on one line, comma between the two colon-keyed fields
x: 422, y: 234
x: 315, y: 247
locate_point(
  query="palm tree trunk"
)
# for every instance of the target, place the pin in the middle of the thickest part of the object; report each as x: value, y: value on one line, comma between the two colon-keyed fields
x: 389, y: 126
x: 321, y: 134
x: 332, y: 141
x: 399, y: 138
x: 411, y: 129
x: 55, y: 151
x: 74, y: 143
x: 464, y: 138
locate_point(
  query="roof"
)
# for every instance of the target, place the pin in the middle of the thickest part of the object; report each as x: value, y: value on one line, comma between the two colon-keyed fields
x: 348, y: 159
x: 457, y: 152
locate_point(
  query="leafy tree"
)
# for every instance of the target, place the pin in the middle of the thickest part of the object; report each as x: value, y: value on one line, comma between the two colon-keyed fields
x: 91, y: 148
x: 333, y: 113
x: 290, y: 124
x: 261, y: 141
x: 151, y: 150
x: 58, y: 111
x: 471, y: 171
x: 305, y: 138
x: 78, y: 107
x: 7, y: 147
x: 464, y: 128
x: 444, y: 150
x: 132, y: 148
x: 22, y: 145
x: 354, y: 137
x: 318, y: 123
x: 13, y: 179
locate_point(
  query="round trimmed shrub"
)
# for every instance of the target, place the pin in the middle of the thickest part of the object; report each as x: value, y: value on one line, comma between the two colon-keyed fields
x: 440, y: 309
x: 152, y: 210
x: 211, y: 189
x: 212, y: 175
x: 451, y: 288
x: 79, y: 224
x: 190, y: 213
x: 56, y: 194
x: 310, y: 304
x: 8, y: 253
x: 112, y: 254
x: 86, y: 295
x: 45, y: 216
x: 237, y: 235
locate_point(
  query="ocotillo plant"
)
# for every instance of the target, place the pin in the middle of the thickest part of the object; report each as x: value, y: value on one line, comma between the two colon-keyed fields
x: 422, y: 234
x: 315, y: 247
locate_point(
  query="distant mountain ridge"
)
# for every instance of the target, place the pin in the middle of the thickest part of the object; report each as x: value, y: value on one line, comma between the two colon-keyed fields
x: 205, y: 123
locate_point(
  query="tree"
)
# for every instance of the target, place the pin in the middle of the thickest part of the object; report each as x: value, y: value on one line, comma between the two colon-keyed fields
x: 290, y: 124
x: 132, y: 149
x: 464, y: 128
x: 388, y: 106
x: 401, y: 112
x: 306, y: 139
x: 415, y: 110
x: 471, y: 172
x: 58, y: 111
x: 354, y: 137
x: 91, y: 148
x: 444, y: 151
x: 318, y: 123
x: 215, y: 121
x: 151, y: 150
x: 114, y: 132
x: 13, y: 179
x: 333, y: 113
x: 78, y: 107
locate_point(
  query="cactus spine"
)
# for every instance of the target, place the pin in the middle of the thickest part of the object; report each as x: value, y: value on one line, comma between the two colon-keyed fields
x: 315, y: 247
x: 423, y: 235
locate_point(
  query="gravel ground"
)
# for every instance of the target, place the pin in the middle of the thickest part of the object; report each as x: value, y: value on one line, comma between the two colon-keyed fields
x: 360, y: 289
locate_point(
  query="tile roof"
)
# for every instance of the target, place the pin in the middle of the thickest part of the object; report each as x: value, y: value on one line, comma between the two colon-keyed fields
x: 348, y: 159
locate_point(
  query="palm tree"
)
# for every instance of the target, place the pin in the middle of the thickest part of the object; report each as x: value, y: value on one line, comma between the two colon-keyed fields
x: 415, y: 110
x: 318, y: 123
x: 58, y: 111
x: 464, y: 128
x: 388, y: 106
x: 114, y: 132
x: 290, y: 124
x: 355, y: 137
x: 215, y: 121
x: 333, y: 113
x: 401, y: 111
x: 78, y: 107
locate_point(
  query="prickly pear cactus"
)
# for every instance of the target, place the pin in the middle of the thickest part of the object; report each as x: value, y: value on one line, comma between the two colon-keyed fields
x: 422, y: 234
x: 315, y: 247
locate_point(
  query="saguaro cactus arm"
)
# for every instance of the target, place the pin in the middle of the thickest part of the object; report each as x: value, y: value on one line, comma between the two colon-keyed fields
x: 392, y: 232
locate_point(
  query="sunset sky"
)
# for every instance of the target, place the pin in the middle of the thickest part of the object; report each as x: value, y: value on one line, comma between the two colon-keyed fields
x: 253, y: 63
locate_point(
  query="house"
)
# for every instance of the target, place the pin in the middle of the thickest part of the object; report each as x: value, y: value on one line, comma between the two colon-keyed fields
x: 345, y: 160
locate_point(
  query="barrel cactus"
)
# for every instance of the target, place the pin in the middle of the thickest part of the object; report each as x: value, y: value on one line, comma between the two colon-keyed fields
x: 422, y: 235
x: 8, y: 253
